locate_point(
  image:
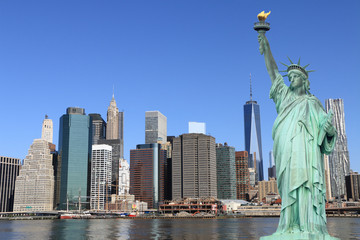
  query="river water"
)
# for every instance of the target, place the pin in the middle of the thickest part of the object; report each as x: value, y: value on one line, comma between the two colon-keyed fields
x: 240, y: 228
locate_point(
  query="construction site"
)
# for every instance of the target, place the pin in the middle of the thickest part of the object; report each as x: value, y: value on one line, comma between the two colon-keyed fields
x: 191, y: 207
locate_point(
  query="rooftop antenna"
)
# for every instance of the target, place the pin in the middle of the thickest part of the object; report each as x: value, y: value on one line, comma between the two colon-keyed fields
x: 250, y: 89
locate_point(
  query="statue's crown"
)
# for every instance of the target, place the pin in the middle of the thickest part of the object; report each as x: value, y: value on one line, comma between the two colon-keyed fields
x: 297, y: 66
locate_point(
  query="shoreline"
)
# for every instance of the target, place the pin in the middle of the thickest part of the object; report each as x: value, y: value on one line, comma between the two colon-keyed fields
x: 164, y: 217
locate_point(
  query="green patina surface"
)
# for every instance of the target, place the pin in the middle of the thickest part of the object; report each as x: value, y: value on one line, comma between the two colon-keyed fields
x: 302, y: 133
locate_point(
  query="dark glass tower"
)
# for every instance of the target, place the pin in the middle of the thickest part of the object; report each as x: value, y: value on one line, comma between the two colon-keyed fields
x: 75, y: 138
x: 98, y: 127
x: 252, y: 130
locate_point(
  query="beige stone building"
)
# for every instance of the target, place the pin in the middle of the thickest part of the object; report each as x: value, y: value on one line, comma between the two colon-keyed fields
x: 47, y: 130
x: 327, y: 178
x: 34, y: 187
x: 194, y: 166
x: 266, y: 187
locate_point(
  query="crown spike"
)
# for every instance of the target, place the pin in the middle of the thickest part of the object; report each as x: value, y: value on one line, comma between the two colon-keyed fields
x: 311, y: 71
x: 290, y: 60
x: 284, y: 64
x: 299, y: 61
x: 305, y: 66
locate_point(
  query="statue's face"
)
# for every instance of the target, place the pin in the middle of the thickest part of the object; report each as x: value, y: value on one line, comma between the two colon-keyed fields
x: 296, y: 80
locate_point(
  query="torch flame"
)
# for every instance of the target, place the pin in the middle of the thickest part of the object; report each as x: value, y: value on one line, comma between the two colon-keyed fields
x: 262, y: 16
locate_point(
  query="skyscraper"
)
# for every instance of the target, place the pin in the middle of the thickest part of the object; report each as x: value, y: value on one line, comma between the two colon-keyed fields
x: 9, y: 170
x: 226, y: 172
x: 98, y: 127
x: 114, y: 138
x: 34, y: 188
x: 100, y: 176
x: 252, y: 131
x: 242, y: 175
x: 353, y: 186
x: 74, y: 155
x: 47, y: 130
x: 155, y: 127
x: 115, y: 125
x: 339, y: 161
x: 114, y: 143
x: 272, y: 168
x: 194, y: 166
x: 147, y: 164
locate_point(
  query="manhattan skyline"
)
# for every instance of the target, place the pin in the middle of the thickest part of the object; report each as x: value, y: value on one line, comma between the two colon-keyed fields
x: 188, y: 60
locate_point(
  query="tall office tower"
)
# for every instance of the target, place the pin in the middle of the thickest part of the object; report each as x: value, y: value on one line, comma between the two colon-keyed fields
x: 98, y: 127
x: 34, y: 188
x: 114, y: 143
x: 100, y: 176
x: 242, y: 175
x: 115, y: 125
x: 226, y: 172
x: 272, y: 168
x: 194, y: 166
x: 114, y: 138
x: 47, y: 129
x: 168, y: 167
x: 197, y: 127
x: 327, y: 178
x: 339, y: 161
x: 155, y: 127
x: 252, y: 131
x: 124, y: 177
x: 353, y: 186
x: 9, y: 170
x: 74, y: 155
x: 47, y: 135
x: 147, y: 173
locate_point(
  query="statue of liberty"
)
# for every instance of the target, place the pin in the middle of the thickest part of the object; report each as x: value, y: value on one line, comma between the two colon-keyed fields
x: 302, y: 133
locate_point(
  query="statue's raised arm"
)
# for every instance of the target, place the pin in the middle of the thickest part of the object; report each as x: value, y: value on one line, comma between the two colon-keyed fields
x: 264, y: 48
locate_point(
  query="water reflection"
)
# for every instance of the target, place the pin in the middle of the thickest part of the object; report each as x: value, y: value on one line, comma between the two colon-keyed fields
x: 177, y: 229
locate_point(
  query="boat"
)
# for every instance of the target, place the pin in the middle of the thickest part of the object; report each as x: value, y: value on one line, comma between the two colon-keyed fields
x: 133, y: 214
x: 75, y: 215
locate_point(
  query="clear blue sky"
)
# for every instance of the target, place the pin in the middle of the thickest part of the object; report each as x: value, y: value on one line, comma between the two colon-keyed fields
x: 190, y: 60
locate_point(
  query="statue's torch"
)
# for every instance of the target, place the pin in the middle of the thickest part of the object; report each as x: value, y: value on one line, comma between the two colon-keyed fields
x: 262, y: 26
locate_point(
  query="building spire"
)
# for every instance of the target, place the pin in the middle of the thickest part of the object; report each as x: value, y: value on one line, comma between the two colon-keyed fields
x: 250, y: 89
x: 113, y: 92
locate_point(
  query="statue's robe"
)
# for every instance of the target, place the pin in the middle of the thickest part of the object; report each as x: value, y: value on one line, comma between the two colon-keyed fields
x: 299, y: 145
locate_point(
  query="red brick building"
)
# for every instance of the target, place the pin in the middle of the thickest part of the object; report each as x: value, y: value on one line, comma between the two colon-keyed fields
x: 147, y: 164
x: 242, y: 175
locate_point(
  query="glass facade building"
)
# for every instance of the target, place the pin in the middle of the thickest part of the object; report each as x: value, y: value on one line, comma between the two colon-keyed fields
x: 155, y: 127
x: 225, y: 172
x: 98, y: 127
x: 252, y: 130
x: 75, y: 138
